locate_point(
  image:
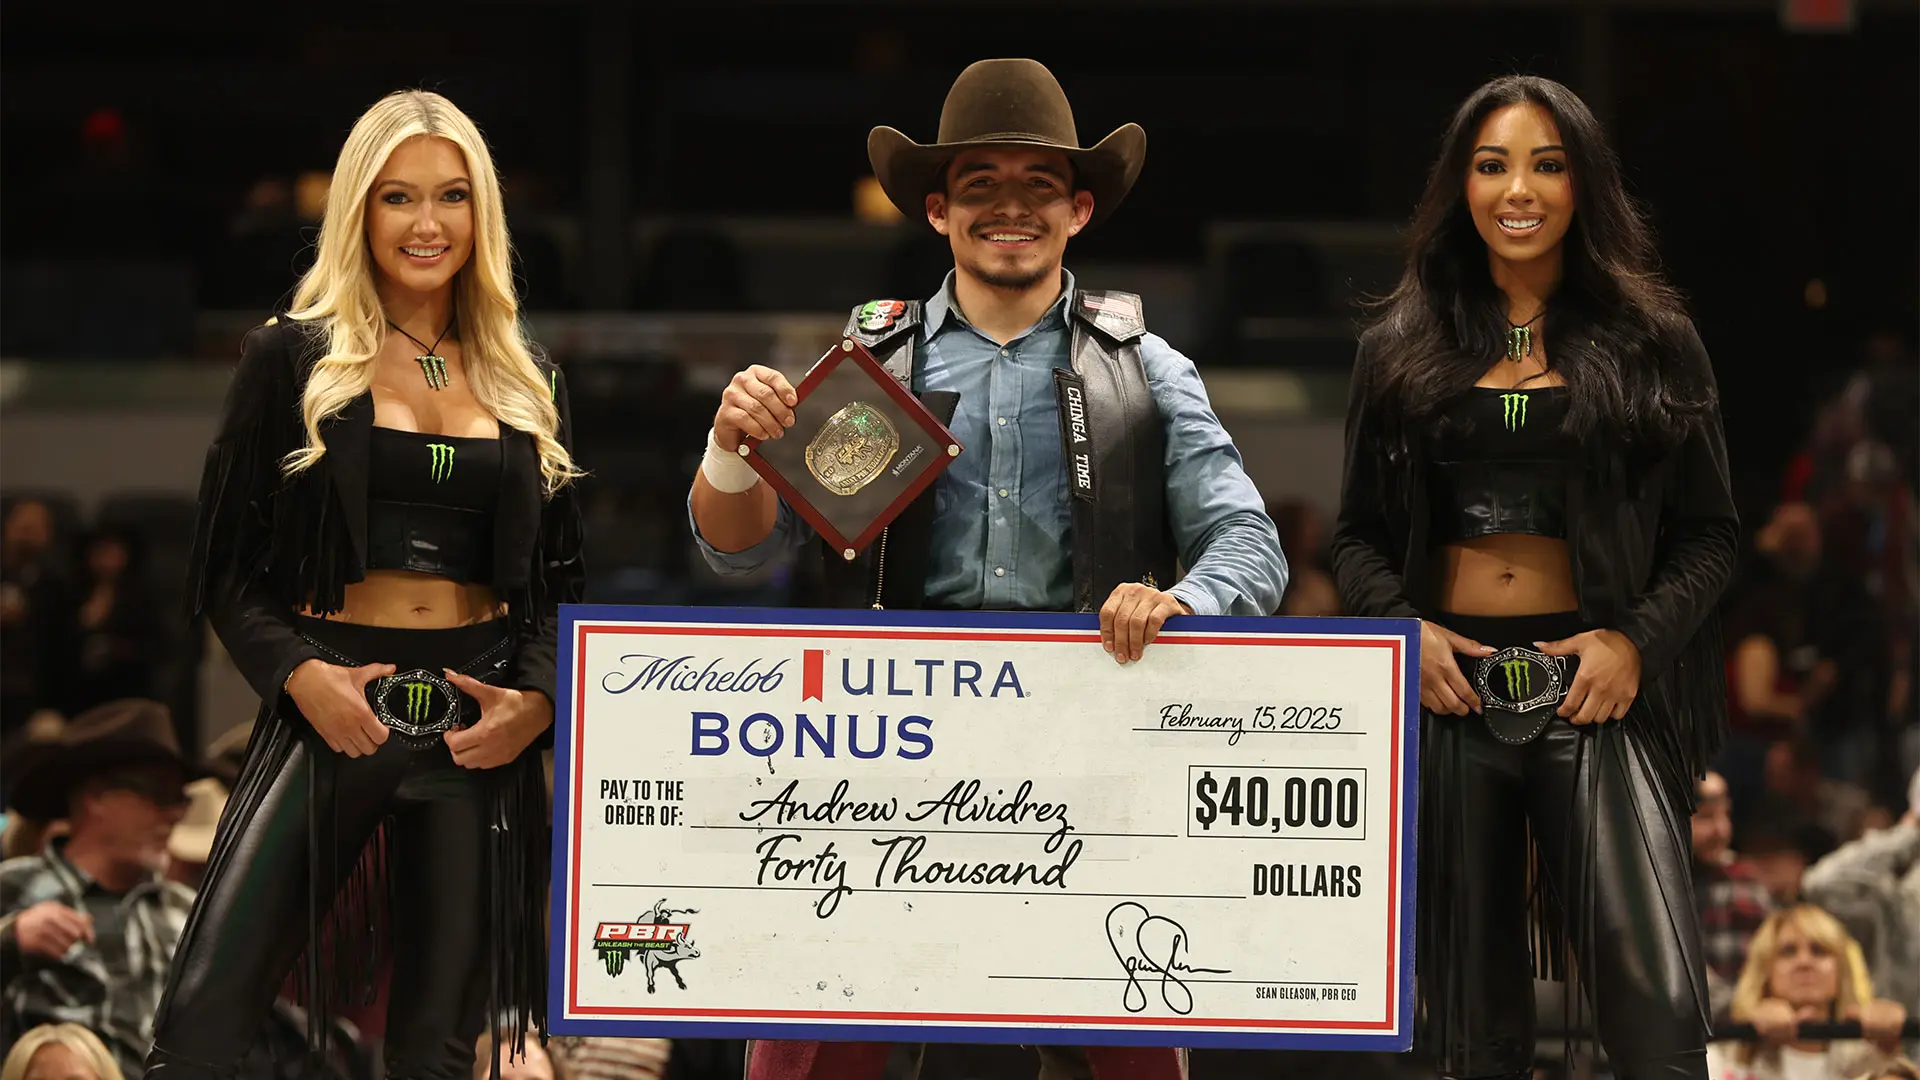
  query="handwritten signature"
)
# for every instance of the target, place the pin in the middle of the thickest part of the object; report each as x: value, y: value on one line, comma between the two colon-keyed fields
x: 1138, y: 938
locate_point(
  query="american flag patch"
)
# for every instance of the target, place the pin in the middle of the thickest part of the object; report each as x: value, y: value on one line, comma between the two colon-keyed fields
x: 1124, y: 307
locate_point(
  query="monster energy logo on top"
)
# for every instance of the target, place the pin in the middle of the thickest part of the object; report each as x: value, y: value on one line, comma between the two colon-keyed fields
x: 1519, y: 679
x: 1515, y: 412
x: 419, y: 700
x: 442, y: 461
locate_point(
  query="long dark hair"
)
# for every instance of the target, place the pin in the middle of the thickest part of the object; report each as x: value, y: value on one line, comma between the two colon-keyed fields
x: 1613, y: 326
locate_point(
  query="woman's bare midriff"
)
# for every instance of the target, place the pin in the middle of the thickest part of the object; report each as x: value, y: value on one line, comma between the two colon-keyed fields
x: 1507, y: 575
x: 409, y: 601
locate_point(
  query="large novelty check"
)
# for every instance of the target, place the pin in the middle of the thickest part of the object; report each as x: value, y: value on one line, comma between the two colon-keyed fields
x: 977, y: 827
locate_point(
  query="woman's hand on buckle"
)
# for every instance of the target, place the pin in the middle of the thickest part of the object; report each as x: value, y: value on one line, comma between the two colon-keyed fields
x: 1443, y: 689
x: 334, y: 701
x: 1608, y: 680
x: 509, y: 722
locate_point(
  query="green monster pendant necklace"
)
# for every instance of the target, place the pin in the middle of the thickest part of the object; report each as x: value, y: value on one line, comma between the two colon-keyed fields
x: 1520, y: 337
x: 432, y: 364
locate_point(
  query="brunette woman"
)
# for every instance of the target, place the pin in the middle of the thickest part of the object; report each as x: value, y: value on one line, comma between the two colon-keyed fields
x: 387, y: 523
x: 1535, y: 469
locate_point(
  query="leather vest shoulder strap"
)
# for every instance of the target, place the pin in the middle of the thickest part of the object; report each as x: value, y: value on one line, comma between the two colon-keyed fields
x: 887, y: 328
x: 1115, y: 450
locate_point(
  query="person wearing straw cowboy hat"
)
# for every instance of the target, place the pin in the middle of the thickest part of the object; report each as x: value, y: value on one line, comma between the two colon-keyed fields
x: 1009, y: 352
x: 88, y: 926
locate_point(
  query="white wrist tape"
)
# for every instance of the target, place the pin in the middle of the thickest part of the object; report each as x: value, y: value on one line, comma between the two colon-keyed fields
x: 728, y: 473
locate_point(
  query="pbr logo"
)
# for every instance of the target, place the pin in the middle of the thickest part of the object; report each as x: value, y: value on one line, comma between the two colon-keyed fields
x: 656, y: 937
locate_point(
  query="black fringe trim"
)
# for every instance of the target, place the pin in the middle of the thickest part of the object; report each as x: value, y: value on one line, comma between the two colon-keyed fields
x: 349, y: 933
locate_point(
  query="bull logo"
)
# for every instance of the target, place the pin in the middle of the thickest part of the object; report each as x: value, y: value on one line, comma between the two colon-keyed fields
x: 1514, y: 411
x: 655, y: 955
x: 1519, y: 679
x: 442, y: 461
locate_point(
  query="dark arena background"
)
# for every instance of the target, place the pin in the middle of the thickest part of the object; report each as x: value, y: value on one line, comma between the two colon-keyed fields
x: 688, y: 191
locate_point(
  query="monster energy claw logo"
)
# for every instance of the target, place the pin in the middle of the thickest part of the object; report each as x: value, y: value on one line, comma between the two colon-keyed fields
x: 1515, y: 411
x: 442, y: 461
x: 419, y: 699
x: 1519, y: 679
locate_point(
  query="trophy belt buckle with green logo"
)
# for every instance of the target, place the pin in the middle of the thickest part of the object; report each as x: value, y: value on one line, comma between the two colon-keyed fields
x: 1526, y: 683
x: 416, y: 703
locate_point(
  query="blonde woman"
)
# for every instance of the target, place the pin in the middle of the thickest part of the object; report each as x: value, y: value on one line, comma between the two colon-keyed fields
x: 1804, y: 967
x: 387, y: 523
x: 60, y: 1052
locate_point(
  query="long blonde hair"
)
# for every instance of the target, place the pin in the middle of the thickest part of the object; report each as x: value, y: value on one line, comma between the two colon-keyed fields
x: 338, y: 291
x: 1856, y: 985
x: 83, y: 1043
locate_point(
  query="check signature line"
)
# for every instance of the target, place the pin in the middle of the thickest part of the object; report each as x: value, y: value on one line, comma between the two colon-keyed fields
x: 927, y: 892
x: 1124, y: 978
x: 945, y: 832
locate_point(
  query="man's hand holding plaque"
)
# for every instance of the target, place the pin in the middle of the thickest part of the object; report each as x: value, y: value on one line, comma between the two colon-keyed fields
x: 847, y: 449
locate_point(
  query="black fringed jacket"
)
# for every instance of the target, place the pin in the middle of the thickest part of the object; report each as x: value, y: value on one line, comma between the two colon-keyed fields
x: 264, y: 543
x: 1652, y: 542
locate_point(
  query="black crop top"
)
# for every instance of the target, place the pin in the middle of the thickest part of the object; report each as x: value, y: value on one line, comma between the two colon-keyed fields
x: 1497, y: 460
x: 430, y: 504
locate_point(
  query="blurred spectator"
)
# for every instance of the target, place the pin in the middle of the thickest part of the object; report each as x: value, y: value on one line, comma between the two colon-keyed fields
x: 1867, y: 528
x: 88, y: 927
x: 1303, y: 536
x: 43, y: 726
x: 1804, y: 968
x: 1794, y: 622
x: 534, y: 1065
x: 120, y: 632
x: 1796, y: 792
x: 1732, y: 898
x: 191, y: 842
x: 60, y: 1052
x: 34, y: 613
x: 1894, y: 1070
x: 226, y: 754
x: 1882, y: 402
x: 1779, y: 849
x: 1872, y: 885
x: 596, y: 1058
x: 1889, y: 396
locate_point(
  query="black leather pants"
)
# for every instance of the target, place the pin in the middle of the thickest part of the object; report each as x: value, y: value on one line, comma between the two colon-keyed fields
x: 1615, y: 859
x: 250, y: 920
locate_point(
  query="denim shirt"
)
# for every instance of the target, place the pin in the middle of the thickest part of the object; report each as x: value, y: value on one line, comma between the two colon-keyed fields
x: 1002, y: 528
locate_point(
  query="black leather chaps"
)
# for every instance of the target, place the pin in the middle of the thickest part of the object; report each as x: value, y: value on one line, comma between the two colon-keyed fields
x: 1611, y: 890
x: 250, y: 922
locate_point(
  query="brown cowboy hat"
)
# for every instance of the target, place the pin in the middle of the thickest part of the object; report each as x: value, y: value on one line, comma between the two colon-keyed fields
x: 1005, y: 103
x: 128, y: 732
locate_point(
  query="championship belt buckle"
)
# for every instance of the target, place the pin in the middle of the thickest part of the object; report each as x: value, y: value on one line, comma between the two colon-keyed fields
x: 430, y: 703
x: 860, y: 450
x: 1526, y: 684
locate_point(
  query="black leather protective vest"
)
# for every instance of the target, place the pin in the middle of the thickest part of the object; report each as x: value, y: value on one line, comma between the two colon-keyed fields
x: 1114, y: 449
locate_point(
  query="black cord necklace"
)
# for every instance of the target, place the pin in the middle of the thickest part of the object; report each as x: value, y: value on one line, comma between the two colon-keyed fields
x: 1520, y: 337
x: 432, y: 365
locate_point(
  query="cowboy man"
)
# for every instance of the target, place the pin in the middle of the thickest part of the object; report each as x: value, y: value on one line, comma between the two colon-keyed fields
x: 88, y: 927
x: 1014, y: 356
